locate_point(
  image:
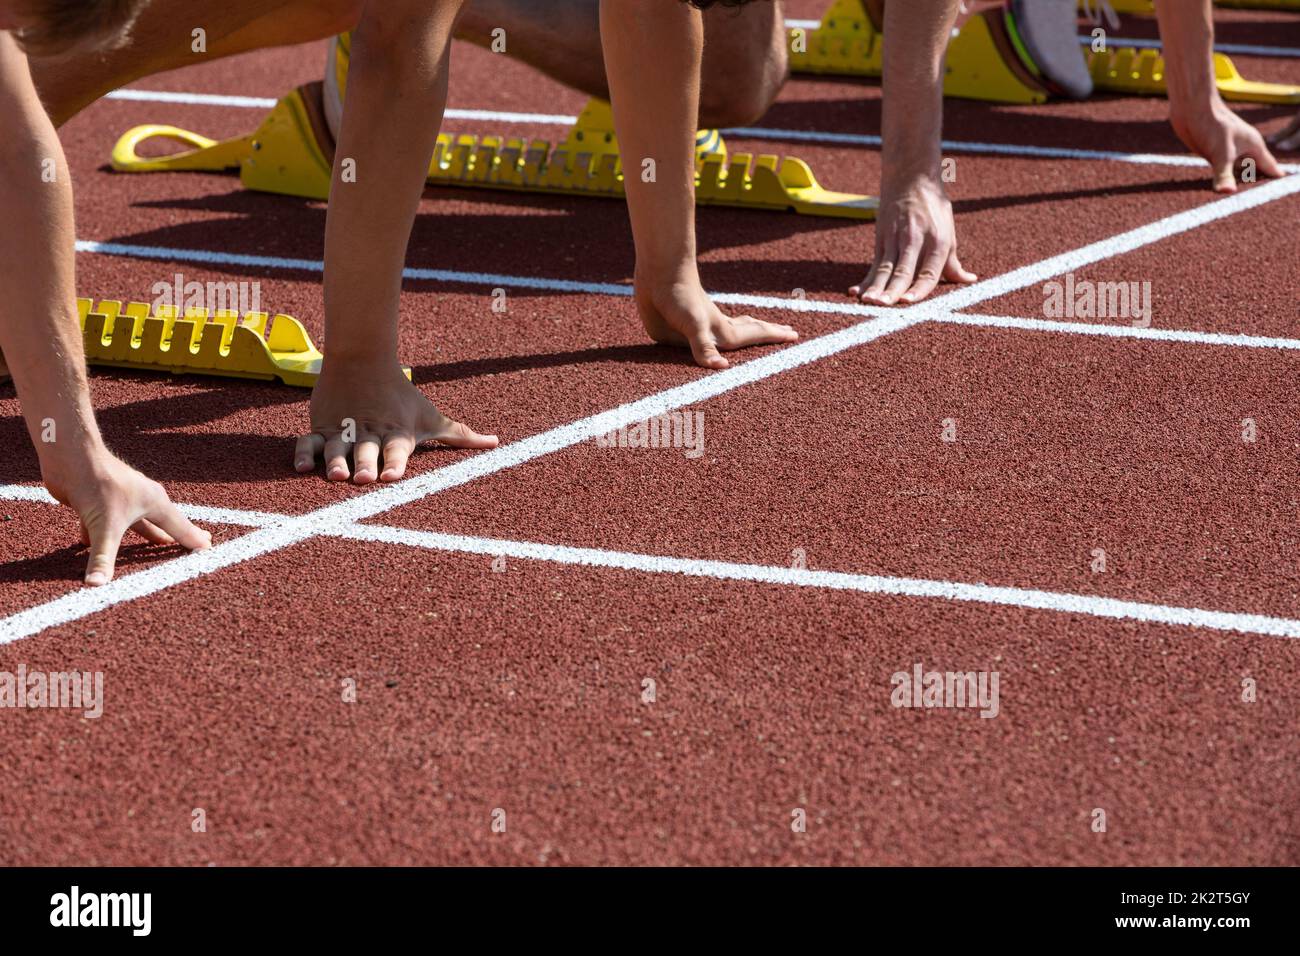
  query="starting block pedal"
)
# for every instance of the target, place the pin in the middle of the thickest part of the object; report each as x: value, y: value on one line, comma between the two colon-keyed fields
x: 982, y: 63
x: 291, y: 153
x: 1142, y: 72
x: 132, y: 335
x: 283, y: 155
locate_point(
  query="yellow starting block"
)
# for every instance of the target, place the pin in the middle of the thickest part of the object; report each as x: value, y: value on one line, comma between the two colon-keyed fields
x: 982, y: 65
x: 291, y: 154
x: 1142, y: 72
x: 133, y: 336
x: 848, y: 43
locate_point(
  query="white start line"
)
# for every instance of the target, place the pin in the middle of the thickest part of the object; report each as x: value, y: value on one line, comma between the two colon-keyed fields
x: 341, y: 516
x: 819, y: 137
x: 1018, y: 597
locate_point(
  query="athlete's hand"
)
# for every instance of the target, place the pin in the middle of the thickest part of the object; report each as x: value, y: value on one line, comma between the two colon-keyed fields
x: 681, y: 313
x: 366, y: 412
x: 112, y: 497
x: 916, y: 245
x: 1225, y: 141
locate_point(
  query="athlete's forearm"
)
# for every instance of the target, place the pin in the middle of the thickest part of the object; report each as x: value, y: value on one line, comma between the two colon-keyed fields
x: 652, y: 55
x: 40, y: 335
x: 1187, y: 35
x: 916, y: 38
x: 397, y: 91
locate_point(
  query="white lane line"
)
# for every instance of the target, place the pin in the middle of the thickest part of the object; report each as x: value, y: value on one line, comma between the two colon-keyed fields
x: 968, y: 146
x: 192, y: 99
x: 128, y: 587
x: 953, y: 301
x: 538, y: 283
x: 499, y: 116
x: 33, y: 493
x: 1059, y: 602
x: 745, y: 132
x: 230, y: 516
x: 266, y: 103
x: 1173, y: 225
x: 82, y: 603
x: 210, y: 257
x: 1189, y: 336
x: 1242, y: 49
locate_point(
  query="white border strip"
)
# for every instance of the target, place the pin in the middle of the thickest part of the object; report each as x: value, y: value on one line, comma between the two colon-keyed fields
x: 1059, y: 602
x: 210, y: 257
x: 192, y: 99
x: 330, y: 519
x: 1187, y: 336
x: 744, y: 132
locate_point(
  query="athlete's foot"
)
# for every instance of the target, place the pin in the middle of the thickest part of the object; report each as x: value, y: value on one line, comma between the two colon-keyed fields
x: 683, y: 315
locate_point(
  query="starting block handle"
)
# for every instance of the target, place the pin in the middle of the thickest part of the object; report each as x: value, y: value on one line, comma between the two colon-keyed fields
x: 205, y: 154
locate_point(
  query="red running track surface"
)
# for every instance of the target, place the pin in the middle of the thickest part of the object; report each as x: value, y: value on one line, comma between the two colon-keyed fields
x: 521, y: 688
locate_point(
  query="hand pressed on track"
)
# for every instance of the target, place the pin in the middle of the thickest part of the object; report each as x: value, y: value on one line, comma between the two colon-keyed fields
x: 112, y: 497
x: 681, y: 313
x: 916, y: 246
x: 366, y: 414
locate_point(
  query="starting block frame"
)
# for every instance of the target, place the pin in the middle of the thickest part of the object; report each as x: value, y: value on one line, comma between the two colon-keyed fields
x: 1141, y: 72
x: 258, y: 345
x: 849, y: 43
x: 290, y: 154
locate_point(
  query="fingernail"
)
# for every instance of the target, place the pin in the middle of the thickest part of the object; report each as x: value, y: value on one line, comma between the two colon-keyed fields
x: 96, y: 579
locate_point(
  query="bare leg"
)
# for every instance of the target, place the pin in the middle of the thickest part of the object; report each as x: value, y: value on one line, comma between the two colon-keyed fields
x: 745, y: 53
x: 162, y: 41
x: 746, y: 57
